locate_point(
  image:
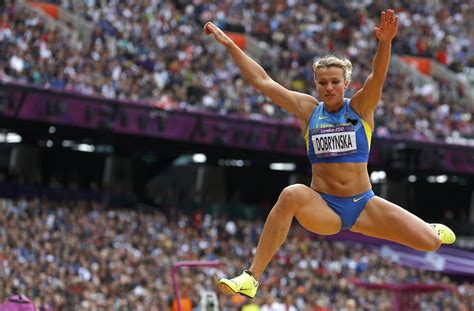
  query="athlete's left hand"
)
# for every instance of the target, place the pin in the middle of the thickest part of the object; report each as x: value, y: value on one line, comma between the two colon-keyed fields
x: 388, y: 26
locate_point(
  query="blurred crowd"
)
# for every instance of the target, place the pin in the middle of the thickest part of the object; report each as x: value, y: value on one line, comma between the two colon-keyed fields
x: 155, y: 52
x: 82, y: 254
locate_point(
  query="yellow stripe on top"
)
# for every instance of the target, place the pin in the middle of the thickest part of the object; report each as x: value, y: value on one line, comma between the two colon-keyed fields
x: 306, y: 139
x: 368, y: 132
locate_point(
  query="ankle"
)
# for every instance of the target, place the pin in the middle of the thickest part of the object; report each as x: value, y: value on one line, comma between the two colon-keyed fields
x: 252, y: 274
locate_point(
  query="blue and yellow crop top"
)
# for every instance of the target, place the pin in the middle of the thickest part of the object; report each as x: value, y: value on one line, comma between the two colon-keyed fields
x: 337, y: 137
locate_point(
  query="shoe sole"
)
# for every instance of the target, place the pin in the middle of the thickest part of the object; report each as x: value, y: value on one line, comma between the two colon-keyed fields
x: 229, y: 291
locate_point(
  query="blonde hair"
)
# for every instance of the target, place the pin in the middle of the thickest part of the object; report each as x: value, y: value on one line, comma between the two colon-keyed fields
x: 334, y: 61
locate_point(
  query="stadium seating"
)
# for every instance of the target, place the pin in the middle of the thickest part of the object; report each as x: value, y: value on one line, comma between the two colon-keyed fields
x: 135, y: 56
x: 89, y: 256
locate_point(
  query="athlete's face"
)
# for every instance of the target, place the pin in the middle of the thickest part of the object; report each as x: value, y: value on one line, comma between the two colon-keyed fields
x: 330, y: 84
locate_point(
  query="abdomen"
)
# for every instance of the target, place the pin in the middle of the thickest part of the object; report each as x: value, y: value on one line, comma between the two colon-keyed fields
x: 341, y: 179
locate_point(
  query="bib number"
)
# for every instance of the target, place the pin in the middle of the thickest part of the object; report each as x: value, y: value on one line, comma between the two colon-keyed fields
x: 334, y: 141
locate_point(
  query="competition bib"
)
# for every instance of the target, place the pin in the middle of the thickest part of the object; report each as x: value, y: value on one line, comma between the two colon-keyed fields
x: 334, y: 141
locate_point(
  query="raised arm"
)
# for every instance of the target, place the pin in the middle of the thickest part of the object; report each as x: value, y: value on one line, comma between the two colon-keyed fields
x: 297, y: 103
x: 365, y: 100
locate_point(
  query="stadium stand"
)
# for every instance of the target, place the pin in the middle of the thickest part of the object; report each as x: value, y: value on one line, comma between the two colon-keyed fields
x: 122, y: 61
x: 90, y: 256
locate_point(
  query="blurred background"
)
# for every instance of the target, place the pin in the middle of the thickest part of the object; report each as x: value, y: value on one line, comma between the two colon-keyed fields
x: 129, y: 142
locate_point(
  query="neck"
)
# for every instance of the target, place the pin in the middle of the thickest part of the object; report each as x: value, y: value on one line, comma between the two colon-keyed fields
x: 335, y: 108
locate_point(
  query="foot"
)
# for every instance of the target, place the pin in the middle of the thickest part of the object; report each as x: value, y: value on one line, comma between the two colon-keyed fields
x: 446, y: 235
x: 244, y: 285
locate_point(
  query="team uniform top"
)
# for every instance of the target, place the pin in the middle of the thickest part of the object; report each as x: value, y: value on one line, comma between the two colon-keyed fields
x: 338, y: 137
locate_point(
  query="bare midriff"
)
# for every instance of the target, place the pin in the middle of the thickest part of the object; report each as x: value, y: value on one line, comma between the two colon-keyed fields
x: 340, y: 179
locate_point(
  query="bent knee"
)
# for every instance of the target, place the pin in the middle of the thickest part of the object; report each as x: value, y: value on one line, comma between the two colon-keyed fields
x: 293, y: 195
x: 429, y: 244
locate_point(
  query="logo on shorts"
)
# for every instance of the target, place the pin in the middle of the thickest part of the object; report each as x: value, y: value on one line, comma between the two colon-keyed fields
x: 358, y: 199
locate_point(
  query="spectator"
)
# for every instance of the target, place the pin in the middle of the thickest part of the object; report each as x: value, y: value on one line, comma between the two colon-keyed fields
x: 75, y: 253
x: 122, y: 60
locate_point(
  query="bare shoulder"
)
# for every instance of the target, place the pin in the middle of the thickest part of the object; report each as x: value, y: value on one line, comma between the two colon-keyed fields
x: 306, y: 105
x: 356, y: 103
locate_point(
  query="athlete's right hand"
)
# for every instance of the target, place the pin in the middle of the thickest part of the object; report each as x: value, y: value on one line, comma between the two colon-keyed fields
x: 220, y: 36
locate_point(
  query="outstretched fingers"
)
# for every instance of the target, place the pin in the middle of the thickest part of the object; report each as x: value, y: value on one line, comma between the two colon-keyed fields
x: 388, y: 18
x: 395, y: 24
x: 388, y: 26
x: 391, y: 19
x: 390, y: 15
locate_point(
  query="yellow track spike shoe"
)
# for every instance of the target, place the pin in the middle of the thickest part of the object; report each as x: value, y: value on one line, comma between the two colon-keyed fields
x: 244, y: 285
x: 447, y: 235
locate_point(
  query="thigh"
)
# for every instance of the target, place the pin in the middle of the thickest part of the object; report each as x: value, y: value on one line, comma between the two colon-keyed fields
x: 314, y: 214
x: 383, y: 219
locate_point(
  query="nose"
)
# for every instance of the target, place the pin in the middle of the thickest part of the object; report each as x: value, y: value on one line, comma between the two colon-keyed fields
x: 329, y: 87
